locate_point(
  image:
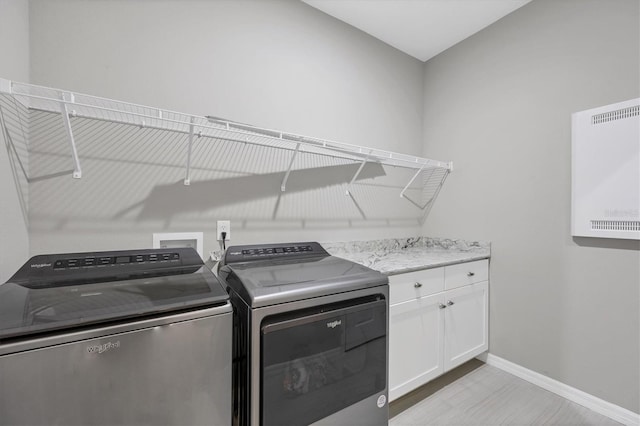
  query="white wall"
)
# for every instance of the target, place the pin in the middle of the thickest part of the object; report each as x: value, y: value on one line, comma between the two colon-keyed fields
x: 278, y: 64
x: 14, y: 65
x: 499, y: 105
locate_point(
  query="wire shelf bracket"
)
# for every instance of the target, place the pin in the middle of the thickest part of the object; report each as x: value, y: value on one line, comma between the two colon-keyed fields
x: 187, y: 178
x: 67, y: 99
x: 355, y: 176
x: 426, y: 207
x: 69, y: 104
x: 283, y: 186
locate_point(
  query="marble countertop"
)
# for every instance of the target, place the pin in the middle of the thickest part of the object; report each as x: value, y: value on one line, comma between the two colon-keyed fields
x: 396, y: 256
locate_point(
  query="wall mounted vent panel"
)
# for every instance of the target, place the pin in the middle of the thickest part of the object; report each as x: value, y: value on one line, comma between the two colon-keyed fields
x: 619, y: 114
x: 615, y: 225
x: 605, y: 156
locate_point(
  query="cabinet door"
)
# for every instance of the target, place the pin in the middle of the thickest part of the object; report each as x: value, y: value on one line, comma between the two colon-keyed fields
x: 466, y: 323
x: 415, y: 343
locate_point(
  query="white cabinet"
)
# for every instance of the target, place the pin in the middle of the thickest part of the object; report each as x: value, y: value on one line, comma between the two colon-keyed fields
x: 466, y: 323
x: 438, y: 319
x: 416, y: 330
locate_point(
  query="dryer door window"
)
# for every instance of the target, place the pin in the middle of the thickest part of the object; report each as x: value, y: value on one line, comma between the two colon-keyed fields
x: 317, y: 363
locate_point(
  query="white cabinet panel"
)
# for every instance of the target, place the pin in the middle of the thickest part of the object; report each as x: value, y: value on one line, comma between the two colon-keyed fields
x: 466, y: 273
x: 408, y: 286
x: 466, y: 324
x: 415, y: 344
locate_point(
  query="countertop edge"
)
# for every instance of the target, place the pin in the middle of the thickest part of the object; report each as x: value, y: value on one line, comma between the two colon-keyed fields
x: 435, y: 265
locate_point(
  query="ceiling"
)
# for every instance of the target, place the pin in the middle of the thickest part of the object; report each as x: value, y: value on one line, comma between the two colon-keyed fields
x: 420, y: 28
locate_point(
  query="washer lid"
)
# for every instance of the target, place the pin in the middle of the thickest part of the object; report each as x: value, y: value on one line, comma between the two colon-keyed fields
x: 56, y: 292
x: 284, y: 279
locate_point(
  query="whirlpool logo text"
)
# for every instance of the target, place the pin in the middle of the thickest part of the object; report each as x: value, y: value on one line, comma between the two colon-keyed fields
x: 98, y: 349
x: 334, y: 324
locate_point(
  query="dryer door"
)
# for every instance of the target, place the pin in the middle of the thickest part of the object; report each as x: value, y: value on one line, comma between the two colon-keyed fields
x: 318, y: 362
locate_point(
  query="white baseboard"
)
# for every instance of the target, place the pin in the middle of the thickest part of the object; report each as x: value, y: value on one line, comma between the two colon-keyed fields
x: 589, y: 401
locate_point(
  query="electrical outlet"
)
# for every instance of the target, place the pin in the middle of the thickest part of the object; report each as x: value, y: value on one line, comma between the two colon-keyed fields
x: 223, y: 226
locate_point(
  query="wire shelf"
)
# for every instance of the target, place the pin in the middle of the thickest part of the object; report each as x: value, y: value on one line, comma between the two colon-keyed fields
x: 76, y: 105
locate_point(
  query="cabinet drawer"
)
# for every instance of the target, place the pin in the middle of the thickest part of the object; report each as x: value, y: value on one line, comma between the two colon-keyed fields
x: 466, y: 273
x: 403, y: 287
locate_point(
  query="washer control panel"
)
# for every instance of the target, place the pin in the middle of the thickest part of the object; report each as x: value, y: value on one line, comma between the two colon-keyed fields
x: 89, y: 266
x: 98, y: 261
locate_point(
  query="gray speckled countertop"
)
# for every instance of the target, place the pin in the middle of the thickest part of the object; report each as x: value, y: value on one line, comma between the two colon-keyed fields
x: 395, y: 256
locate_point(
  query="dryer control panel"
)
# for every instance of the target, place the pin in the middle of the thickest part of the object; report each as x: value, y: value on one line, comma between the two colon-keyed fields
x: 250, y: 253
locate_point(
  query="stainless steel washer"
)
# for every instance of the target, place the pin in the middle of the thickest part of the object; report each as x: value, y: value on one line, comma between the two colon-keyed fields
x: 117, y: 338
x: 310, y: 337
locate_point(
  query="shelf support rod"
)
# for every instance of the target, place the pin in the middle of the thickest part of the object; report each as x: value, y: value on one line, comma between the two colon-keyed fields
x: 283, y: 186
x: 187, y: 178
x: 358, y: 172
x: 412, y: 179
x: 64, y: 109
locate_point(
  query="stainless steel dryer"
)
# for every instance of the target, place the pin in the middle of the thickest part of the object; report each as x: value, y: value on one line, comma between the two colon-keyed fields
x: 117, y: 338
x: 310, y: 337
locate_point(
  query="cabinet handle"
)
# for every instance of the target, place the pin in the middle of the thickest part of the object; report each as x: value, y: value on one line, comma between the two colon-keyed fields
x: 450, y: 302
x: 470, y: 274
x: 417, y: 285
x: 441, y: 305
